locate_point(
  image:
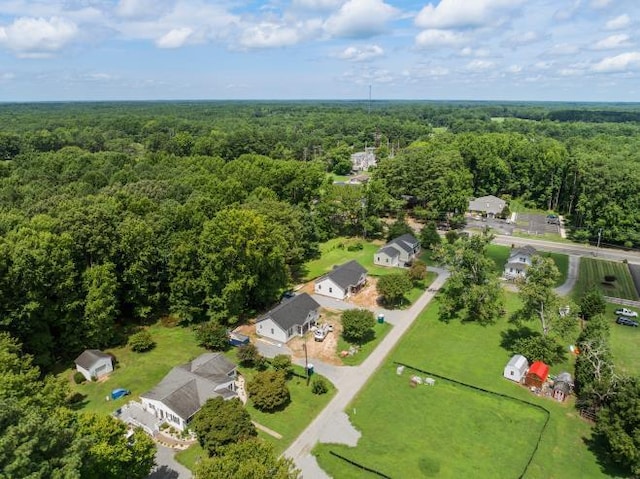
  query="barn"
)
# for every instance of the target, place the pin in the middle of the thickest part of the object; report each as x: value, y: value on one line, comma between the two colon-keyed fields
x: 516, y: 368
x: 562, y: 386
x: 537, y: 375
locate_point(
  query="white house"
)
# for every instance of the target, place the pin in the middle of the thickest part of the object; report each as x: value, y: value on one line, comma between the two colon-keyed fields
x: 292, y: 317
x: 398, y: 252
x: 516, y: 368
x: 518, y: 262
x: 93, y: 363
x: 363, y: 160
x: 490, y: 206
x: 342, y: 281
x: 186, y: 388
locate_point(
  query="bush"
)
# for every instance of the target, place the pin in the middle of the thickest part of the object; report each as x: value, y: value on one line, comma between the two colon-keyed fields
x: 141, y: 342
x: 248, y: 355
x: 355, y: 247
x: 609, y: 278
x: 282, y: 362
x: 357, y: 325
x: 212, y: 336
x: 539, y: 348
x: 417, y: 271
x: 269, y: 391
x: 319, y: 386
x: 79, y: 378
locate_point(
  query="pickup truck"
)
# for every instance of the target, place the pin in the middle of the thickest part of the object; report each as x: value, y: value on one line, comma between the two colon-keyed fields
x: 626, y: 312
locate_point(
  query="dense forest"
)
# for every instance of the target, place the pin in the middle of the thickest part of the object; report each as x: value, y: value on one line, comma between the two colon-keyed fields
x: 113, y: 214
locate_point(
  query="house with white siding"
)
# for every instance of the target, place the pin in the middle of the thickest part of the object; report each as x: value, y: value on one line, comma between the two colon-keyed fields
x: 342, y: 282
x: 186, y: 388
x: 93, y: 364
x: 293, y: 317
x: 518, y: 262
x: 398, y: 252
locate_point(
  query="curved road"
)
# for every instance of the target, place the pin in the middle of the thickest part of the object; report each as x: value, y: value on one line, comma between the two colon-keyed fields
x: 329, y: 425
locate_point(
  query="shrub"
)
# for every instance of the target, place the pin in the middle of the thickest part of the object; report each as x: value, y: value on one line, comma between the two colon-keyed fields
x: 319, y: 386
x: 141, y: 342
x: 417, y: 271
x: 282, y: 362
x: 212, y: 336
x: 355, y: 247
x: 357, y: 325
x: 269, y: 391
x: 248, y: 355
x: 609, y: 278
x: 79, y: 378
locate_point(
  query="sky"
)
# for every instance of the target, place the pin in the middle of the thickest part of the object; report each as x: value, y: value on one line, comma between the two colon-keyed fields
x: 528, y: 50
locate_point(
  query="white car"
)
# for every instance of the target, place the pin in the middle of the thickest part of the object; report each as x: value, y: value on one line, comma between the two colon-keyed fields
x: 626, y: 312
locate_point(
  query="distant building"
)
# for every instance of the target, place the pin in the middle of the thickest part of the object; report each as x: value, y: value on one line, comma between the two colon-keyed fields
x: 398, y: 252
x: 490, y: 206
x: 363, y: 160
x: 518, y: 262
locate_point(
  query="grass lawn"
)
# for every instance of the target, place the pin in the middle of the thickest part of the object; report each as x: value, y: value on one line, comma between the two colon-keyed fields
x: 139, y: 372
x: 625, y: 344
x: 334, y: 252
x: 500, y: 254
x: 450, y: 431
x: 380, y: 331
x: 592, y: 273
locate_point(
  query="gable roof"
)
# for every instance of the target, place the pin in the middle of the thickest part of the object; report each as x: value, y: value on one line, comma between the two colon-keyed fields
x: 526, y: 250
x: 90, y: 357
x: 292, y: 312
x: 407, y: 242
x: 488, y: 204
x: 187, y: 387
x: 389, y: 251
x: 518, y: 361
x: 345, y: 275
x: 540, y: 369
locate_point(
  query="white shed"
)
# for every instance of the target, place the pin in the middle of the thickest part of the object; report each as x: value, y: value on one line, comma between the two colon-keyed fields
x: 516, y: 368
x: 93, y: 363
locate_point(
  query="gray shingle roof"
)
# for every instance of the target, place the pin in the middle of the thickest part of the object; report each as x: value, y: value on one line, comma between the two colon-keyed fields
x: 292, y: 312
x: 389, y: 251
x: 187, y: 387
x: 488, y: 204
x: 90, y: 357
x: 347, y: 274
x: 407, y: 242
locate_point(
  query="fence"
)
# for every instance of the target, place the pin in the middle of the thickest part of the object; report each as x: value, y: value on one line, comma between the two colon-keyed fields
x: 624, y: 302
x: 356, y: 464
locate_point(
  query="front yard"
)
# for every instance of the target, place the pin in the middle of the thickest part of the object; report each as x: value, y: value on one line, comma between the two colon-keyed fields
x: 593, y: 273
x: 500, y: 254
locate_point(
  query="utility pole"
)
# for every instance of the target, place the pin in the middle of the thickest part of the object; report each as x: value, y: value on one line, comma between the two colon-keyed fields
x: 306, y: 360
x: 599, y: 237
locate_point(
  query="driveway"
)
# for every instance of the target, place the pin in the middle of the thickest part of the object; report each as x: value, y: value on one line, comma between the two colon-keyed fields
x: 329, y: 425
x: 572, y: 276
x: 167, y: 467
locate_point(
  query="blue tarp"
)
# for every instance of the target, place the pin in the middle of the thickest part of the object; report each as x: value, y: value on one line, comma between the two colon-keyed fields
x: 118, y: 393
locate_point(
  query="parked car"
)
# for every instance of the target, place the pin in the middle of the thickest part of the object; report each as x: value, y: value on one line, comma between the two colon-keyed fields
x: 626, y: 312
x: 322, y: 331
x: 626, y: 321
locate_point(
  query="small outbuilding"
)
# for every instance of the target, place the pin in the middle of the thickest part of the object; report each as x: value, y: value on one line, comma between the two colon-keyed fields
x: 516, y: 368
x: 93, y: 364
x: 537, y: 374
x: 562, y: 386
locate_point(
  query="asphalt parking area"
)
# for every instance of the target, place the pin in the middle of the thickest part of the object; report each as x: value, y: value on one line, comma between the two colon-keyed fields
x: 536, y: 224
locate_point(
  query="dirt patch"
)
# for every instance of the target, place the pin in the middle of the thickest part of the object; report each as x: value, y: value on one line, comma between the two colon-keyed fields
x: 322, y: 350
x: 367, y: 297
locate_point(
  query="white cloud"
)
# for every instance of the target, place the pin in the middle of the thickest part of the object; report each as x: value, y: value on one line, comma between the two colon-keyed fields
x: 269, y: 35
x: 514, y: 69
x: 465, y: 13
x: 439, y: 38
x: 561, y: 49
x: 174, y: 38
x: 7, y: 76
x: 618, y: 23
x: 479, y: 65
x: 613, y: 41
x: 598, y: 4
x: 37, y: 37
x: 619, y: 63
x: 471, y: 52
x: 525, y: 38
x: 360, y: 19
x: 142, y: 8
x: 361, y: 53
x: 569, y: 12
x: 317, y: 5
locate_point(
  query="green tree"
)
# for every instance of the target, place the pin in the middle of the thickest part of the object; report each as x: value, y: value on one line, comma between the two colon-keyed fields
x: 212, y: 336
x: 319, y: 385
x: 282, y: 362
x: 220, y: 423
x: 250, y: 459
x: 110, y: 454
x: 248, y: 354
x: 429, y: 237
x: 101, y: 304
x: 268, y: 390
x: 417, y: 271
x: 357, y: 325
x: 393, y: 287
x: 592, y: 304
x: 619, y: 424
x: 398, y: 228
x: 473, y: 291
x: 536, y: 347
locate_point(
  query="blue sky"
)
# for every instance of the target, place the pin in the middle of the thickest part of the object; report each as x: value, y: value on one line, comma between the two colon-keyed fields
x: 563, y: 50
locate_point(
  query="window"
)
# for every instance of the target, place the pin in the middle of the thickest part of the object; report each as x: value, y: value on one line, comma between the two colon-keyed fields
x: 319, y: 286
x: 511, y: 372
x: 330, y: 290
x: 272, y: 331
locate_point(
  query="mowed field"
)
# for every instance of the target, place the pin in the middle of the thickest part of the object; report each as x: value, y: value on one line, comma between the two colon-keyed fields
x: 592, y: 274
x: 450, y: 431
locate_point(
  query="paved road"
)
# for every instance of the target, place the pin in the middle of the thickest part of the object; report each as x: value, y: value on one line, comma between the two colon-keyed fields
x: 167, y: 467
x: 571, y: 248
x: 330, y: 425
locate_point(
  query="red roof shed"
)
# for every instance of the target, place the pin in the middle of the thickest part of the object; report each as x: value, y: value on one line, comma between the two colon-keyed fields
x: 537, y: 374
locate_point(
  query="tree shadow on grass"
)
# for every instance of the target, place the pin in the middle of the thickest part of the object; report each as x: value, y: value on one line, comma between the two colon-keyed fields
x: 509, y: 337
x: 598, y: 446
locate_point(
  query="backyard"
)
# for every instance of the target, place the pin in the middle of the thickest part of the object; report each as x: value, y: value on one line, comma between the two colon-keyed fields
x: 455, y: 431
x: 593, y: 273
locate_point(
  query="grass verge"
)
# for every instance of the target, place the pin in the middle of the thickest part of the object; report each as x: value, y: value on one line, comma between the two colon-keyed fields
x: 379, y: 330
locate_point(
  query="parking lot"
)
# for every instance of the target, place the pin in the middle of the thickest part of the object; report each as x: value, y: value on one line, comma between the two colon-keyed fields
x: 535, y: 224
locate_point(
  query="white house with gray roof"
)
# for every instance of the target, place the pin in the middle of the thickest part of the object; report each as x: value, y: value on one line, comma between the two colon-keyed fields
x: 518, y: 262
x: 292, y: 317
x: 398, y: 252
x: 489, y: 205
x: 186, y: 388
x: 93, y: 364
x: 342, y: 281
